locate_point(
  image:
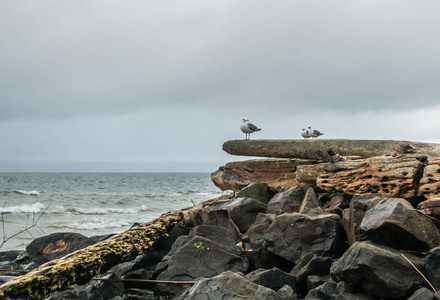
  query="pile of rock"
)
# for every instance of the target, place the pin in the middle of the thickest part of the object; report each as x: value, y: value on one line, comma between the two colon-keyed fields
x: 295, y: 244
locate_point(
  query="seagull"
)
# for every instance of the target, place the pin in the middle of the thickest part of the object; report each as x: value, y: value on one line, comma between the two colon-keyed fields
x: 248, y: 128
x: 313, y: 133
x: 305, y: 133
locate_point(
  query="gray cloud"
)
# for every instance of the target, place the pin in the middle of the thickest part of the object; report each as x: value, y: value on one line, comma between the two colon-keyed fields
x: 280, y: 63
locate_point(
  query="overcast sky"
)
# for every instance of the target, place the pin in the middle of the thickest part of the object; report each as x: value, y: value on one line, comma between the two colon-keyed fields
x: 147, y: 86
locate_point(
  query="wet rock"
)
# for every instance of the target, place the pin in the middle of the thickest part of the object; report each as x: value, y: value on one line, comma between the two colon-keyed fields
x: 286, y: 201
x: 208, y: 252
x: 294, y: 235
x: 353, y: 216
x: 257, y: 191
x: 273, y: 278
x: 378, y: 270
x: 9, y: 255
x: 56, y: 245
x: 394, y: 222
x: 227, y: 285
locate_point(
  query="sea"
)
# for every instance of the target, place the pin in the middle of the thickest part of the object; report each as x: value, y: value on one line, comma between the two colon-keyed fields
x: 37, y: 204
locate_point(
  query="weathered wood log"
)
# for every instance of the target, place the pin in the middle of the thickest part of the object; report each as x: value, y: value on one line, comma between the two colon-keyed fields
x: 394, y: 176
x: 431, y: 207
x: 82, y: 265
x: 276, y: 173
x: 318, y: 148
x: 430, y: 183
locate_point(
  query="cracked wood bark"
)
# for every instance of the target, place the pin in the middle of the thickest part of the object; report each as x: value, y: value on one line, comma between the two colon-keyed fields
x: 318, y: 148
x: 82, y: 265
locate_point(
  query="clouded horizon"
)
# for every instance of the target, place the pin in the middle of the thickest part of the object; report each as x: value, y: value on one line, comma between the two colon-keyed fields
x: 141, y: 86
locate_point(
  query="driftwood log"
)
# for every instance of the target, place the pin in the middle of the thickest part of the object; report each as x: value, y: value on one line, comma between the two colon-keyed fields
x: 318, y: 148
x: 82, y: 265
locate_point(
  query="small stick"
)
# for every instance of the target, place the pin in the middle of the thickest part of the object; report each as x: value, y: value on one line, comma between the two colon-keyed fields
x: 146, y: 281
x: 419, y: 272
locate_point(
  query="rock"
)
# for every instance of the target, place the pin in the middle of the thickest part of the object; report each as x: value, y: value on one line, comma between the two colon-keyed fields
x: 243, y: 211
x: 431, y: 207
x: 256, y: 252
x: 257, y: 191
x: 352, y: 217
x: 314, y: 281
x: 276, y: 173
x: 286, y: 201
x: 216, y: 217
x: 378, y: 270
x: 9, y: 255
x: 310, y: 201
x: 4, y: 279
x: 105, y: 289
x: 422, y: 294
x: 151, y: 257
x: 56, y: 245
x: 318, y: 149
x: 433, y: 267
x: 208, y: 252
x: 325, y: 291
x: 99, y: 238
x: 227, y: 285
x: 293, y: 235
x: 273, y: 278
x: 430, y: 182
x: 64, y: 295
x: 311, y: 264
x: 287, y: 293
x: 394, y: 222
x: 393, y: 176
x: 336, y: 202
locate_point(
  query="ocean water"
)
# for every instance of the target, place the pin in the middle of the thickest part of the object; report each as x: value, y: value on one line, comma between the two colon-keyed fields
x: 92, y: 203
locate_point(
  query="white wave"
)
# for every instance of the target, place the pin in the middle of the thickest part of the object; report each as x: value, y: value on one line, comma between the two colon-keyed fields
x: 103, y: 211
x: 25, y: 208
x: 31, y: 193
x: 101, y: 224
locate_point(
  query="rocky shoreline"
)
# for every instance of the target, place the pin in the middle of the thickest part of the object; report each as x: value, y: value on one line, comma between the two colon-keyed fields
x: 339, y: 226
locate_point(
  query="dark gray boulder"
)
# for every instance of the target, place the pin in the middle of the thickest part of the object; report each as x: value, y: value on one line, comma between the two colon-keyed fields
x: 253, y: 242
x: 99, y: 289
x: 293, y: 235
x: 422, y: 294
x: 378, y: 270
x: 394, y: 222
x: 433, y: 267
x: 286, y: 201
x: 309, y: 201
x: 257, y: 191
x: 311, y: 264
x: 243, y: 211
x: 287, y: 293
x: 352, y: 217
x: 336, y: 203
x: 273, y: 278
x: 9, y: 255
x: 56, y: 245
x: 208, y: 251
x: 216, y: 217
x: 227, y: 285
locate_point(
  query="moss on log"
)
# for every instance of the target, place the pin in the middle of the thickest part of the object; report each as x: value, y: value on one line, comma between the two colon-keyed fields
x: 318, y: 148
x: 82, y: 265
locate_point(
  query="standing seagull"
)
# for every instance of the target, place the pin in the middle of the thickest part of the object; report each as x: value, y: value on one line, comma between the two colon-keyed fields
x: 248, y: 128
x: 305, y: 133
x: 313, y: 133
